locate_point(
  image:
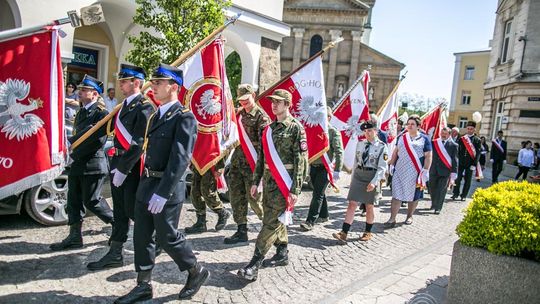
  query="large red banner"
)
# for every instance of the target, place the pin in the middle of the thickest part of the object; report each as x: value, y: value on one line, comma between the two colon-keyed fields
x: 31, y: 112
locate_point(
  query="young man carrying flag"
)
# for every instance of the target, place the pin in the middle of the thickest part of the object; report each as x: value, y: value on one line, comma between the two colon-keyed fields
x: 282, y: 166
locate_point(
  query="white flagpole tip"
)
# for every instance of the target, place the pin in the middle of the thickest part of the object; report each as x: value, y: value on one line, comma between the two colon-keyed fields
x: 333, y: 43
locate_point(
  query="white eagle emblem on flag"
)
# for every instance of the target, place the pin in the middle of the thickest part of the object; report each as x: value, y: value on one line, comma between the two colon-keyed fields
x: 208, y: 104
x: 353, y: 126
x: 19, y: 126
x: 311, y: 112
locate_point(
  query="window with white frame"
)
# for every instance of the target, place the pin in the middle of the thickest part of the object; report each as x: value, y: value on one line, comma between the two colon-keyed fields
x: 506, y: 43
x: 463, y: 122
x: 469, y: 72
x: 499, y: 114
x: 465, y: 97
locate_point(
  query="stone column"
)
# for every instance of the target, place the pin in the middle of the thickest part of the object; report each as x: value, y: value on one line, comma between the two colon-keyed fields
x: 297, y: 51
x: 355, y: 56
x: 331, y: 78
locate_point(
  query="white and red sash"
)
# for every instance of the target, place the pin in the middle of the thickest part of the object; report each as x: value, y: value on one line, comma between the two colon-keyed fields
x: 443, y: 154
x: 247, y: 145
x: 279, y: 173
x: 123, y: 136
x: 420, y: 182
x: 496, y: 144
x: 478, y: 174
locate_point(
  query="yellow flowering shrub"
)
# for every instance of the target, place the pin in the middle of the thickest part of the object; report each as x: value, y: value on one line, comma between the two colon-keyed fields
x: 504, y: 219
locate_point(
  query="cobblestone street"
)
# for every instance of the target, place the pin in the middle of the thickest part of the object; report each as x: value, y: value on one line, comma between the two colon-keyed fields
x: 396, y: 266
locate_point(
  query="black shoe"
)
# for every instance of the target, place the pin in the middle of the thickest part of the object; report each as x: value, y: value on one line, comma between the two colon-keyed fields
x: 158, y: 249
x: 322, y: 220
x: 454, y: 197
x: 239, y: 236
x: 437, y: 212
x: 251, y: 271
x: 196, y: 278
x: 462, y: 198
x: 72, y: 241
x: 281, y: 258
x: 199, y: 226
x: 112, y: 259
x: 141, y: 292
x: 223, y: 216
x: 307, y: 226
x: 389, y: 224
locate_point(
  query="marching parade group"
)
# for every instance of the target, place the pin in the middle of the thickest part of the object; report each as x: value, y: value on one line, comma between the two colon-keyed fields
x: 153, y: 150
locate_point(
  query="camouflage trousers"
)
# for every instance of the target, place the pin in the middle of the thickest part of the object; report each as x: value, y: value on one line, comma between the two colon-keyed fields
x: 273, y: 232
x: 239, y: 190
x: 204, y: 193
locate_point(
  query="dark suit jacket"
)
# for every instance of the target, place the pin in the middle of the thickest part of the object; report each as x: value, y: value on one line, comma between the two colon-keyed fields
x: 464, y: 158
x: 135, y: 118
x: 89, y: 157
x: 496, y: 154
x: 170, y: 145
x: 438, y: 167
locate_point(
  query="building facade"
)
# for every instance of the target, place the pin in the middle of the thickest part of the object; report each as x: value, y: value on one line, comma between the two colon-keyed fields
x: 316, y: 23
x: 470, y: 72
x: 99, y: 49
x: 512, y: 88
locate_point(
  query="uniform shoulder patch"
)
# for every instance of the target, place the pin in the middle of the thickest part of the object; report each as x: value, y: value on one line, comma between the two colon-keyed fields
x: 303, y: 145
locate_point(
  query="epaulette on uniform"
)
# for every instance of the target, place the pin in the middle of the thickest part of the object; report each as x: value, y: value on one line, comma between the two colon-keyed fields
x: 185, y: 110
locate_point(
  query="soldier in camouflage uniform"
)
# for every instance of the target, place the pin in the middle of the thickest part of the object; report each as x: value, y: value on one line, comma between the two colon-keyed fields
x: 253, y: 120
x: 289, y: 138
x: 318, y: 208
x: 204, y: 193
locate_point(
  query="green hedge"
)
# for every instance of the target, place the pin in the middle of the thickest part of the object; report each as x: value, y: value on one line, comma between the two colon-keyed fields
x: 504, y: 219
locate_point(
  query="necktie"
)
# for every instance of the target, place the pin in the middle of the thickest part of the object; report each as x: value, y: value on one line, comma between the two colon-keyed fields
x: 365, y: 155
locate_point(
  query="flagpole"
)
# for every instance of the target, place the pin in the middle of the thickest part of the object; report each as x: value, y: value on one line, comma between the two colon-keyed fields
x: 319, y: 53
x: 356, y: 82
x: 176, y: 63
x: 381, y: 108
x: 432, y: 110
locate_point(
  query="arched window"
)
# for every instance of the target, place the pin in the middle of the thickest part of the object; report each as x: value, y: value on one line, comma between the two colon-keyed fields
x: 315, y: 45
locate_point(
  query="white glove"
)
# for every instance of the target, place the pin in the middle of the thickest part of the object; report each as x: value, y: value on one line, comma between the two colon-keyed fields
x: 156, y: 203
x: 391, y: 170
x: 118, y: 178
x: 504, y: 161
x: 472, y: 167
x: 491, y: 160
x: 425, y: 175
x: 336, y: 176
x: 453, y: 177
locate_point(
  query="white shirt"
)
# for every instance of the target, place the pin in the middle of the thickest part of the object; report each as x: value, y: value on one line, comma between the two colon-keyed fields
x: 90, y: 104
x: 165, y: 107
x: 526, y: 157
x: 110, y: 103
x: 130, y: 98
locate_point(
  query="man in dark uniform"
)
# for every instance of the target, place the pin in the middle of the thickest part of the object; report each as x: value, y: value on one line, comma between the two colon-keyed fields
x: 497, y: 156
x: 318, y: 208
x: 129, y: 127
x: 170, y: 138
x: 253, y: 120
x: 469, y: 154
x: 288, y: 138
x: 442, y: 168
x: 87, y: 172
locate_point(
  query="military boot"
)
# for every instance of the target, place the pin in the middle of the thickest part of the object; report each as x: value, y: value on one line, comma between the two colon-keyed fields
x: 239, y: 236
x: 72, y: 241
x: 199, y: 226
x: 197, y: 275
x: 281, y: 258
x: 141, y: 292
x: 112, y: 259
x: 251, y: 271
x: 223, y: 216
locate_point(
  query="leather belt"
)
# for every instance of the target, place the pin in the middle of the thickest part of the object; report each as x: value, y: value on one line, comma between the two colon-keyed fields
x: 287, y: 166
x: 119, y: 152
x: 151, y: 173
x: 367, y: 169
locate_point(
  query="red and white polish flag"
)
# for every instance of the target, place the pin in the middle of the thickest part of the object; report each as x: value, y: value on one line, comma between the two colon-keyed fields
x: 388, y: 121
x: 352, y: 109
x: 308, y: 105
x: 433, y: 122
x: 31, y: 111
x: 207, y: 93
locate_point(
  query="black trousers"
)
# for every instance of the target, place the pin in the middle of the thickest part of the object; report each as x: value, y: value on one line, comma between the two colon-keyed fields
x: 496, y: 170
x: 169, y: 238
x: 84, y: 191
x: 437, y: 189
x: 464, y: 172
x: 124, y: 203
x: 522, y: 170
x: 318, y: 206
